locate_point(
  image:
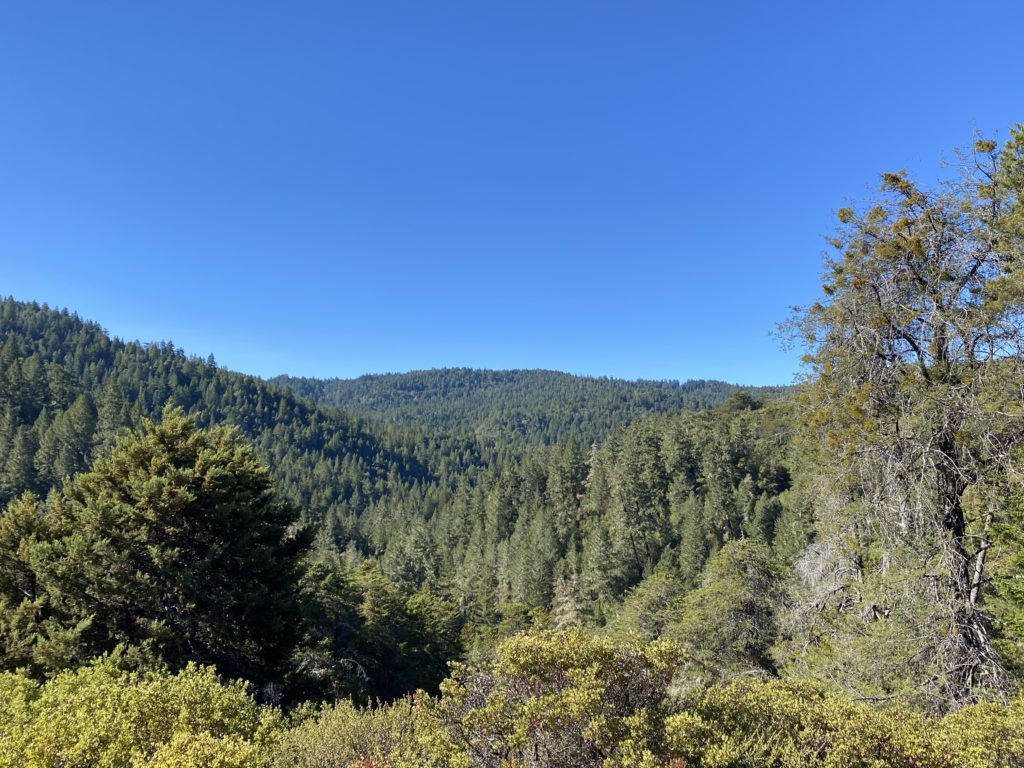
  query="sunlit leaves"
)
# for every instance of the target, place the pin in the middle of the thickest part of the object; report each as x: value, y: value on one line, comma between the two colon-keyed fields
x: 915, y: 355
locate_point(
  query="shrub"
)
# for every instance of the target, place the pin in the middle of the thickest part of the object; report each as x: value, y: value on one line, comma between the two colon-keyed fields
x: 558, y: 698
x: 343, y: 735
x: 100, y: 715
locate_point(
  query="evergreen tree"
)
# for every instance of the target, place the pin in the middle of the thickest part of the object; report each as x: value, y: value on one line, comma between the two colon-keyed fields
x: 916, y: 355
x: 178, y: 544
x: 730, y: 623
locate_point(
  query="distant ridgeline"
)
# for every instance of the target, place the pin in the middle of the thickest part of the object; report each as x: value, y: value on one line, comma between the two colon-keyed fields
x: 526, y: 408
x: 67, y: 389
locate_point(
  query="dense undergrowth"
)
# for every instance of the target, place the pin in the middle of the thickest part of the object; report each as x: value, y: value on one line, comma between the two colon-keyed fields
x: 563, y: 699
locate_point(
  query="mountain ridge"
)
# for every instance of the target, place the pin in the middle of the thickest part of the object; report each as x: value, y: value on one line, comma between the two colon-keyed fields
x: 527, y: 408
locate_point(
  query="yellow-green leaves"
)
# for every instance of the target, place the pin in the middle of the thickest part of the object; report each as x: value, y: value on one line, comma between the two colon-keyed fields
x: 785, y: 724
x: 101, y: 716
x: 561, y: 698
x: 403, y: 734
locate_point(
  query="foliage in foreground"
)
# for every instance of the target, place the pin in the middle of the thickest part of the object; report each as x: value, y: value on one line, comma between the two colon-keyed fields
x: 560, y: 698
x: 788, y: 724
x: 569, y: 699
x: 551, y: 698
x: 344, y: 735
x: 100, y: 715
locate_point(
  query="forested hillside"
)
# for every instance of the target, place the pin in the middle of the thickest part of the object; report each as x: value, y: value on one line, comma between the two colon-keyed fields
x: 568, y: 527
x: 501, y: 537
x: 830, y: 577
x: 67, y: 389
x: 523, y: 408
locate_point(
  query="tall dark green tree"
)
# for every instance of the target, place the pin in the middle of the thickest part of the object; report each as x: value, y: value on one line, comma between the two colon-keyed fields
x: 177, y: 543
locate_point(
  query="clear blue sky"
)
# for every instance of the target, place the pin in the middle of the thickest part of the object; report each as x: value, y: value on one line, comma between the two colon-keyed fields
x: 632, y: 189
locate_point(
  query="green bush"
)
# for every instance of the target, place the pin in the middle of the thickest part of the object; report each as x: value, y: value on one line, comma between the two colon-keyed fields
x: 344, y: 735
x: 102, y: 716
x: 788, y: 724
x: 558, y: 698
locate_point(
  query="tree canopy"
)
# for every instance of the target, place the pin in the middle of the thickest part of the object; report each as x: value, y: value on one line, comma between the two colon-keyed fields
x: 175, y: 545
x: 914, y: 408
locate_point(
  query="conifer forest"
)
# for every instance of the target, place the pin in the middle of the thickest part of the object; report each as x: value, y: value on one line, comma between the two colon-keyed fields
x: 467, y: 568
